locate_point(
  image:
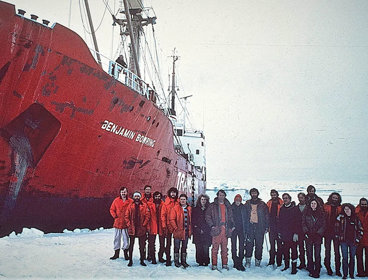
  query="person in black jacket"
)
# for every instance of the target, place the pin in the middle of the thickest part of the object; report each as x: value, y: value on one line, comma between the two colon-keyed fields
x: 238, y: 235
x: 201, y: 230
x: 349, y: 231
x: 314, y: 224
x: 257, y: 223
x: 288, y: 220
x: 301, y: 239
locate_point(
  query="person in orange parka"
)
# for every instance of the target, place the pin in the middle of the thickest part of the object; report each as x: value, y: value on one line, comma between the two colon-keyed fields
x: 156, y: 226
x: 332, y: 209
x: 362, y: 212
x: 170, y: 202
x: 274, y: 205
x: 147, y: 197
x: 137, y: 218
x: 180, y: 220
x: 117, y: 211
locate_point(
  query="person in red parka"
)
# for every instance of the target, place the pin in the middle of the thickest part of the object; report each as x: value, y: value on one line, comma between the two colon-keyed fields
x: 332, y: 209
x: 147, y: 197
x: 156, y: 227
x: 362, y: 213
x: 117, y: 211
x: 137, y: 218
x: 170, y: 202
x: 274, y: 206
x: 180, y: 220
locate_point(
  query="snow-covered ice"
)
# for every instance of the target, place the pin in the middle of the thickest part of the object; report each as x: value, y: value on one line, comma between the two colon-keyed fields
x: 84, y: 254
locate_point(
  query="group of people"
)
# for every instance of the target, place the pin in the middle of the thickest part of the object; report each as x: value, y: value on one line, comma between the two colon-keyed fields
x: 295, y: 231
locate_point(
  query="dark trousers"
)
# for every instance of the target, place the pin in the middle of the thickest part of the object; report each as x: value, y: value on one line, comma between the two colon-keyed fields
x: 336, y: 246
x: 142, y: 244
x: 301, y: 247
x: 288, y: 246
x: 168, y: 239
x: 362, y: 268
x: 254, y: 239
x: 152, y: 245
x: 275, y: 242
x: 348, y: 250
x: 183, y: 243
x: 314, y: 265
x: 202, y: 254
x: 237, y: 237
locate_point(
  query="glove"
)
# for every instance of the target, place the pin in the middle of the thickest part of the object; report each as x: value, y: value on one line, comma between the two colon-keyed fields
x: 306, y: 236
x: 295, y: 237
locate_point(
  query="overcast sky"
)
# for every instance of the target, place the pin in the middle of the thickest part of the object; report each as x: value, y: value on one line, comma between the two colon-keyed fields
x: 280, y: 87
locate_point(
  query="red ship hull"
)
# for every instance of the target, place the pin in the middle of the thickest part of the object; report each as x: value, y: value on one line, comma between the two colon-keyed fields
x: 71, y: 134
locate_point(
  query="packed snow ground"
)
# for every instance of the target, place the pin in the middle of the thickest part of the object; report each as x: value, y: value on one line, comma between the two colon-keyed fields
x: 84, y: 254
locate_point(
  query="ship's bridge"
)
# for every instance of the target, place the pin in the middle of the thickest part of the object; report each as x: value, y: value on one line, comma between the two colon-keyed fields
x: 193, y: 144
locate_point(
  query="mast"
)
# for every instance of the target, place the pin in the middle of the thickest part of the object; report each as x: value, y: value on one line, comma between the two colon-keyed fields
x: 93, y: 32
x: 173, y: 85
x: 132, y: 25
x: 133, y: 39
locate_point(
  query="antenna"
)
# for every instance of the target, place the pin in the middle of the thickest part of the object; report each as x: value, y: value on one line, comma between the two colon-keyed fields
x: 173, y: 84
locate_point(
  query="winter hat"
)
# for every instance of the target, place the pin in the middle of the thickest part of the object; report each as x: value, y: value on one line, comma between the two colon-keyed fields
x: 238, y: 196
x: 137, y: 193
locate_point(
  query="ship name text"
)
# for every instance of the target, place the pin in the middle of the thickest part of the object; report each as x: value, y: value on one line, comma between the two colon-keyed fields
x: 124, y: 132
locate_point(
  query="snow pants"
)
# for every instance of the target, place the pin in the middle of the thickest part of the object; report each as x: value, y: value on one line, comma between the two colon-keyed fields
x: 152, y: 245
x: 336, y: 246
x: 314, y: 248
x: 275, y: 248
x: 202, y: 254
x: 237, y: 252
x: 142, y: 244
x: 254, y: 239
x: 217, y: 241
x: 121, y: 233
x: 362, y: 266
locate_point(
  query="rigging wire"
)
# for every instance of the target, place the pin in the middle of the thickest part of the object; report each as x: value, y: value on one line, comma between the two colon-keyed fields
x: 99, y: 25
x: 155, y: 69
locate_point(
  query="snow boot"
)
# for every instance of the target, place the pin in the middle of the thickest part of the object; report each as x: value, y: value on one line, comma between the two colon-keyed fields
x: 176, y: 259
x: 130, y: 262
x: 247, y: 262
x: 154, y: 260
x: 184, y: 260
x: 126, y: 254
x: 143, y: 263
x: 302, y: 265
x: 225, y: 266
x: 168, y: 261
x: 329, y: 270
x: 116, y: 255
x: 214, y: 267
x: 293, y: 267
x: 287, y: 265
x: 257, y: 262
x: 160, y: 257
